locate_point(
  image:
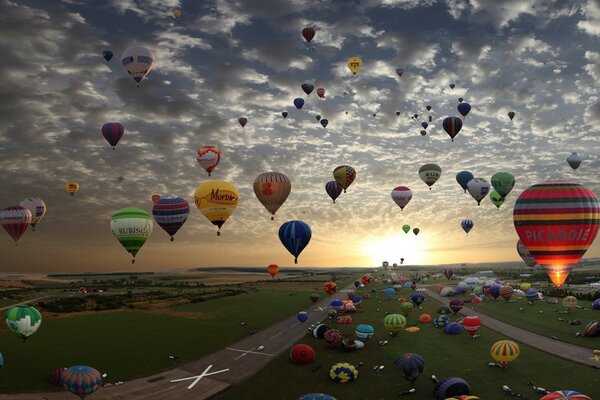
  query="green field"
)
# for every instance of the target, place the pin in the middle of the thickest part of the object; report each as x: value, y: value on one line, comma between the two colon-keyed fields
x: 129, y: 344
x: 445, y: 355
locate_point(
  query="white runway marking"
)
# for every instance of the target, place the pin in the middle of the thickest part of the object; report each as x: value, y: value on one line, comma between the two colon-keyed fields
x: 273, y: 337
x: 198, y: 377
x: 294, y: 324
x: 244, y: 352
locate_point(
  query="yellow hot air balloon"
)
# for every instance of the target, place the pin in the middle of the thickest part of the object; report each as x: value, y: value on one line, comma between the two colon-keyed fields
x: 355, y: 64
x: 72, y: 187
x: 272, y: 189
x: 525, y: 286
x: 217, y: 200
x: 177, y: 13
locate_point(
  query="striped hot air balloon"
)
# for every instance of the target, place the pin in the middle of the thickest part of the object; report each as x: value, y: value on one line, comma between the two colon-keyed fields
x: 295, y: 236
x: 471, y: 324
x: 394, y: 323
x: 170, y: 213
x: 272, y: 190
x: 333, y: 189
x: 401, y: 196
x: 208, y: 157
x: 113, y: 132
x: 592, y: 329
x: 411, y: 364
x: 132, y: 227
x: 505, y: 352
x: 565, y: 395
x: 452, y: 125
x: 557, y: 221
x: 81, y: 380
x: 15, y: 220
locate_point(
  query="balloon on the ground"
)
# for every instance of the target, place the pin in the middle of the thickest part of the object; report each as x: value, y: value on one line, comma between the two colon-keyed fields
x: 344, y: 175
x: 456, y: 305
x: 448, y: 273
x: 319, y: 331
x: 137, y: 61
x: 441, y: 321
x: 314, y: 297
x: 208, y: 157
x: 36, y: 207
x: 570, y: 302
x: 23, y: 320
x: 217, y: 200
x: 503, y: 183
x: 273, y: 270
x: 354, y: 64
x: 113, y: 132
x: 406, y: 307
x: 505, y: 352
x: 478, y: 188
x: 316, y: 396
x: 272, y: 190
x: 592, y: 329
x: 425, y: 318
x: 333, y: 189
x: 401, y: 196
x: 430, y: 173
x: 81, y: 380
x: 411, y: 365
x: 15, y: 220
x: 330, y: 287
x: 302, y: 354
x: 450, y: 387
x: 364, y: 332
x: 453, y: 328
x: 333, y: 337
x: 132, y: 227
x: 295, y: 236
x: 574, y: 160
x: 394, y: 323
x: 471, y: 324
x: 531, y: 295
x: 345, y: 320
x: 343, y: 372
x: 596, y: 304
x: 565, y: 395
x: 506, y: 292
x: 417, y: 298
x: 170, y: 213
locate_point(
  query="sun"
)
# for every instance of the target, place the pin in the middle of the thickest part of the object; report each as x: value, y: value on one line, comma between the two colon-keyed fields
x: 393, y: 248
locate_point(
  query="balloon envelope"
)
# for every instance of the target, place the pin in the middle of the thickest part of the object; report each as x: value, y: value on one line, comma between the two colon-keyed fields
x: 401, y: 196
x: 137, y: 61
x: 344, y: 175
x: 108, y: 55
x: 496, y: 198
x: 333, y: 189
x: 113, y: 132
x: 430, y: 173
x: 308, y: 87
x: 36, y: 207
x: 23, y: 320
x: 503, y: 182
x: 478, y: 188
x: 463, y: 178
x: 170, y: 213
x: 132, y: 227
x: 308, y: 33
x: 208, y: 157
x: 217, y: 200
x: 15, y: 220
x: 298, y: 102
x: 354, y: 64
x: 463, y: 109
x: 525, y: 255
x: 272, y: 190
x: 574, y: 160
x: 295, y: 236
x: 81, y: 380
x: 452, y: 125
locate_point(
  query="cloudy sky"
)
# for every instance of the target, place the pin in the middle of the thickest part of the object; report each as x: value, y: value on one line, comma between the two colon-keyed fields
x: 225, y: 59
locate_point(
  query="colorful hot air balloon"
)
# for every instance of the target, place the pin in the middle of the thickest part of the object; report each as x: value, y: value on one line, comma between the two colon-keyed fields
x: 557, y: 221
x: 450, y: 387
x: 208, y: 157
x: 565, y: 395
x: 503, y: 182
x: 36, y: 207
x: 401, y: 196
x: 81, y: 380
x: 344, y: 175
x: 525, y: 255
x: 452, y: 125
x: 308, y: 86
x: 308, y: 33
x: 217, y: 200
x: 333, y: 189
x: 137, y: 61
x: 400, y: 72
x: 302, y: 354
x: 406, y: 228
x: 463, y: 178
x: 463, y: 109
x: 113, y: 132
x: 471, y: 324
x: 343, y: 372
x: 171, y: 213
x: 416, y: 231
x: 430, y: 173
x: 243, y: 121
x: 155, y: 197
x: 505, y: 352
x: 295, y: 236
x: 574, y: 160
x: 15, y: 220
x: 23, y: 320
x: 132, y: 227
x: 496, y: 199
x: 107, y: 54
x: 272, y: 190
x: 412, y: 366
x: 354, y: 64
x: 467, y: 225
x: 511, y: 115
x: 72, y: 188
x: 273, y: 270
x: 321, y: 92
x: 456, y: 305
x: 394, y: 323
x: 298, y: 102
x: 330, y: 287
x: 478, y: 188
x: 506, y: 292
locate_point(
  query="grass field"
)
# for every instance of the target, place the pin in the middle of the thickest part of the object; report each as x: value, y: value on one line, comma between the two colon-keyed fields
x: 129, y: 344
x: 445, y: 355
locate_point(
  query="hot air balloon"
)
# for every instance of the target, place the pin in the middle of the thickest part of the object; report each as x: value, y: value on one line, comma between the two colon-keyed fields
x: 406, y: 228
x: 56, y: 376
x: 72, y: 188
x: 272, y: 190
x: 511, y: 115
x: 113, y: 132
x: 36, y: 207
x: 318, y: 117
x: 467, y: 225
x: 503, y: 182
x: 308, y: 87
x: 412, y: 366
x: 15, y: 220
x: 430, y: 173
x: 456, y: 305
x: 478, y: 188
x: 217, y: 200
x: 570, y: 302
x: 170, y: 213
x: 401, y: 196
x: 448, y: 273
x: 295, y: 236
x: 343, y: 372
x: 308, y: 33
x: 463, y: 178
x: 137, y: 61
x: 505, y: 352
x: 243, y: 121
x: 321, y: 92
x: 333, y: 189
x: 453, y: 328
x: 416, y: 231
x: 354, y: 64
x: 525, y: 254
x: 330, y: 287
x: 417, y: 298
x: 107, y: 54
x: 452, y: 86
x: 208, y: 157
x: 333, y: 337
x: 397, y: 113
x: 273, y: 270
x: 423, y: 132
x: 471, y: 324
x: 23, y: 320
x: 424, y: 125
x: 460, y: 99
x: 592, y: 329
x: 314, y: 297
x: 565, y: 395
x: 177, y: 13
x: 155, y: 197
x: 324, y: 122
x: 298, y: 102
x: 302, y: 354
x: 284, y: 114
x: 452, y: 125
x: 557, y: 221
x: 463, y: 109
x: 496, y: 199
x: 132, y: 227
x: 400, y: 72
x: 450, y: 387
x: 574, y: 160
x: 506, y: 292
x: 364, y: 332
x: 81, y: 380
x: 406, y: 307
x: 532, y: 295
x: 344, y: 175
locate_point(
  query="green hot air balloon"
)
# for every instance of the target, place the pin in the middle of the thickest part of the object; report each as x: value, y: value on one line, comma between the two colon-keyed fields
x: 23, y: 320
x: 430, y: 173
x: 132, y: 227
x: 406, y: 228
x: 503, y: 182
x: 496, y: 199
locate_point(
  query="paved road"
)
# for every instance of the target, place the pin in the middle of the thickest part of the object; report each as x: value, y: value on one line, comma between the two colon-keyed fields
x: 568, y: 351
x: 30, y: 301
x: 243, y: 361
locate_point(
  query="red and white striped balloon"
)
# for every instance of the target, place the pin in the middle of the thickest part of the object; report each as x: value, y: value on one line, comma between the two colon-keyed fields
x: 15, y: 220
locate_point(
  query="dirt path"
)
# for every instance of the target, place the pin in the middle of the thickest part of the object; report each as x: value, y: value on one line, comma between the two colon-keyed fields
x: 568, y: 351
x: 24, y: 302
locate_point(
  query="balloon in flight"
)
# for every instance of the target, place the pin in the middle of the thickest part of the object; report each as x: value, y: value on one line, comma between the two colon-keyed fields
x: 503, y: 183
x: 273, y: 270
x: 478, y: 188
x: 333, y: 189
x: 463, y: 109
x: 321, y: 92
x: 467, y: 225
x: 243, y: 121
x: 208, y: 157
x: 295, y: 236
x: 574, y: 160
x: 452, y: 125
x: 113, y: 132
x: 344, y: 175
x: 23, y: 320
x: 170, y: 213
x: 217, y: 200
x: 401, y: 196
x: 272, y: 190
x: 406, y: 228
x: 132, y: 227
x: 298, y: 102
x: 15, y: 220
x: 308, y: 33
x: 430, y: 173
x: 511, y: 115
x: 354, y: 64
x: 36, y: 207
x: 463, y: 178
x: 107, y: 54
x: 496, y: 199
x: 137, y: 61
x: 72, y: 187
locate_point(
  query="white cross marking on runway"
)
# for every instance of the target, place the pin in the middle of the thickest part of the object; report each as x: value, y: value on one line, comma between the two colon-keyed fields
x: 198, y: 377
x: 244, y: 352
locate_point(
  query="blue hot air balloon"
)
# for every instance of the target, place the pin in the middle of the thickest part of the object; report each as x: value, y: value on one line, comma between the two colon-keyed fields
x: 324, y: 122
x: 411, y: 365
x: 424, y: 125
x: 463, y: 178
x: 302, y: 316
x: 295, y: 236
x: 299, y: 102
x: 417, y: 298
x: 463, y: 109
x: 467, y: 225
x: 389, y: 292
x: 107, y: 54
x: 171, y: 213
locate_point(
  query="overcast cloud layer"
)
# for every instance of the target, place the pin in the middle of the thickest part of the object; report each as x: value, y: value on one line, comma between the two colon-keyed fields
x: 226, y: 59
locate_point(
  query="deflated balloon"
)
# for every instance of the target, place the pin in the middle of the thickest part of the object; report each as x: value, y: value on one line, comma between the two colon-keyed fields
x: 401, y: 196
x: 208, y: 157
x: 478, y: 188
x: 217, y: 200
x: 295, y: 236
x: 463, y: 178
x: 333, y: 189
x: 344, y: 175
x: 132, y: 227
x: 272, y: 190
x: 137, y: 61
x: 430, y: 173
